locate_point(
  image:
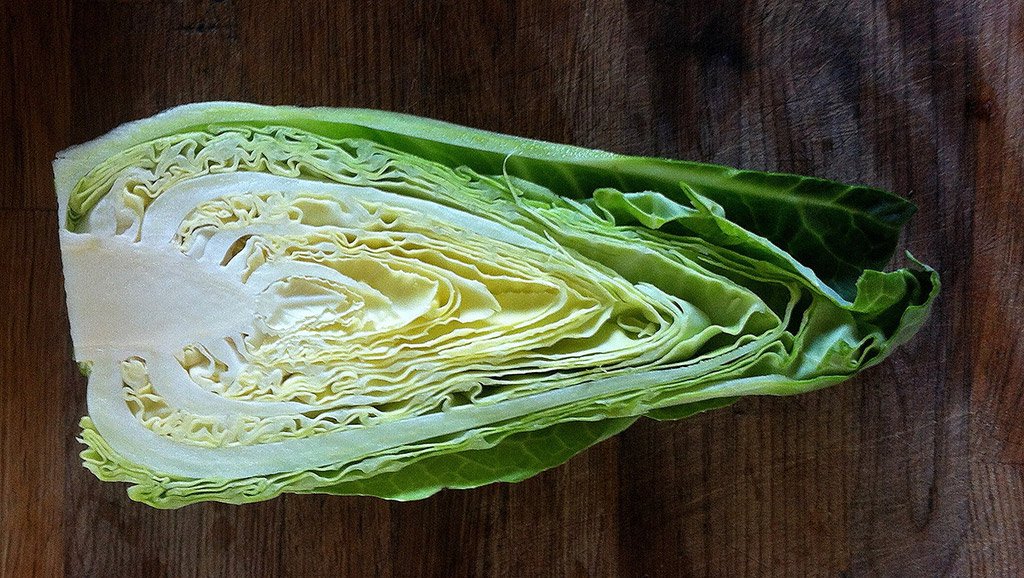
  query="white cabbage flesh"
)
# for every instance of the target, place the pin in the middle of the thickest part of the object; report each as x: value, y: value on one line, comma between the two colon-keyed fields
x: 240, y: 313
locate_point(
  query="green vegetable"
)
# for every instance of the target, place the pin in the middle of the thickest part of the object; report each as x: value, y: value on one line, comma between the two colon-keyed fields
x: 272, y: 299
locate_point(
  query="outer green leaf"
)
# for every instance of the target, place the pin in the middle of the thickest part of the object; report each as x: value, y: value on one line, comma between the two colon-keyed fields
x: 513, y: 459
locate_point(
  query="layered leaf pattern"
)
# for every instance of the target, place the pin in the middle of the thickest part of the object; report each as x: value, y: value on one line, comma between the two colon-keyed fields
x: 274, y: 299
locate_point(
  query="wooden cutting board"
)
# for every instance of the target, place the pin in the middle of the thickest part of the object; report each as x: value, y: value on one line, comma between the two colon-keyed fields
x: 916, y: 468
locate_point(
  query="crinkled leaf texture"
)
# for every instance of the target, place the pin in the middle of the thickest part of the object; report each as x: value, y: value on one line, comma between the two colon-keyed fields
x: 277, y: 299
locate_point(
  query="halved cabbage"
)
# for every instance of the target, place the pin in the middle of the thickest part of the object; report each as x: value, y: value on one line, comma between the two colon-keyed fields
x: 272, y: 299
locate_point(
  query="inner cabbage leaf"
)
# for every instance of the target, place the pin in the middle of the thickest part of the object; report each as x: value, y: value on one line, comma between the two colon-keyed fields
x: 320, y: 300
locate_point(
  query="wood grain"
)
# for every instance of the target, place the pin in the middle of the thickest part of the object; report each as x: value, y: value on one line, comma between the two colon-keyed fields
x: 916, y: 468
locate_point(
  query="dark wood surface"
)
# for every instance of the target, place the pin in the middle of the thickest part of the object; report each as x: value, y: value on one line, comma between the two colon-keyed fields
x: 916, y: 468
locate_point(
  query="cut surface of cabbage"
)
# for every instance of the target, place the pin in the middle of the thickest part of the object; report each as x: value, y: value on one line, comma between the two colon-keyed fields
x: 277, y: 299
